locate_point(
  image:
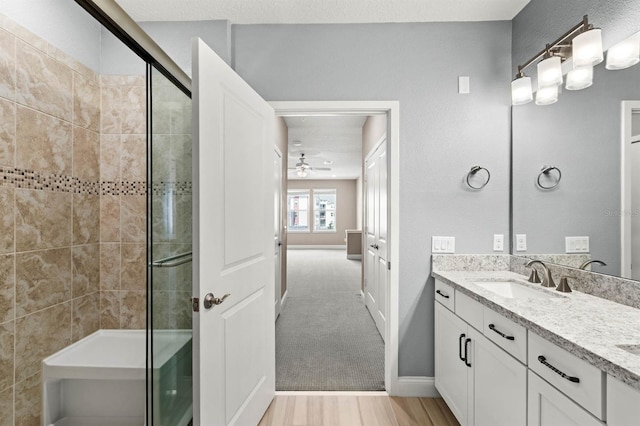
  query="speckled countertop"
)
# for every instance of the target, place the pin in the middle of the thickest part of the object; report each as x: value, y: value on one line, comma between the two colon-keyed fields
x: 589, y: 327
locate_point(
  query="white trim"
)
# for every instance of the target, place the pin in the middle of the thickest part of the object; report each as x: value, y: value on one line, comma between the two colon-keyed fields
x: 283, y: 299
x: 625, y: 178
x: 392, y: 110
x: 315, y: 247
x: 417, y: 386
x: 354, y: 256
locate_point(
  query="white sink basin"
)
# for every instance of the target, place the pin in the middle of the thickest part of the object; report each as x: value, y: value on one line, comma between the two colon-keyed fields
x: 514, y: 290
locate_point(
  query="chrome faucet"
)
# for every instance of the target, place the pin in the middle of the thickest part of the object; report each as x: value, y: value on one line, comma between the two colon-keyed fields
x: 547, y: 279
x: 589, y: 262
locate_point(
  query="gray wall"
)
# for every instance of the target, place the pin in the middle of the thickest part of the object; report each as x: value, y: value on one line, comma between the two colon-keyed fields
x: 580, y: 134
x: 62, y: 23
x: 117, y: 58
x: 442, y: 133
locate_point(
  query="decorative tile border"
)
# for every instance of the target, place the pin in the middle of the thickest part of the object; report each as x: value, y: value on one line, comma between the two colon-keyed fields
x: 29, y: 179
x: 176, y: 188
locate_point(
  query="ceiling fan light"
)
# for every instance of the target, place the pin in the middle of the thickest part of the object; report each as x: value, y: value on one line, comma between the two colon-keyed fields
x: 587, y: 49
x: 302, y: 172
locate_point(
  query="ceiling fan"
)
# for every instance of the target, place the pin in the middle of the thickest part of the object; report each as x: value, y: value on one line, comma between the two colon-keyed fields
x: 303, y: 168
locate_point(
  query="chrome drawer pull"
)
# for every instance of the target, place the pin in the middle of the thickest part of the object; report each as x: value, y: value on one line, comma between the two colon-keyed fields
x: 446, y: 296
x: 493, y: 327
x: 543, y: 360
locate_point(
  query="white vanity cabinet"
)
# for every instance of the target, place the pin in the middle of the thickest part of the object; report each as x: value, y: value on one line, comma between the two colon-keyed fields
x: 481, y: 383
x: 623, y: 403
x: 547, y: 406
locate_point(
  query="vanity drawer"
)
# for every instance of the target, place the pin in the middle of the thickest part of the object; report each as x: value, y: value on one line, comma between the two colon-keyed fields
x: 505, y: 333
x: 574, y: 377
x: 469, y: 310
x: 445, y: 295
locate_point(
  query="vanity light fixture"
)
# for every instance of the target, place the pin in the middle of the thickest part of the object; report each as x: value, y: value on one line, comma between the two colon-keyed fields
x: 579, y: 79
x: 624, y: 54
x: 583, y: 43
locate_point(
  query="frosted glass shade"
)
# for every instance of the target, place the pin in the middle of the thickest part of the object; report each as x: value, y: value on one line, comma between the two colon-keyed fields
x: 521, y: 92
x: 550, y: 72
x: 547, y: 95
x: 624, y: 54
x: 587, y: 49
x: 302, y: 172
x: 579, y: 79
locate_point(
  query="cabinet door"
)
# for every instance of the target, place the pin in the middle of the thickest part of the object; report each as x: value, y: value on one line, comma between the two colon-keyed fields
x: 623, y: 403
x: 550, y: 407
x: 499, y: 385
x: 451, y: 372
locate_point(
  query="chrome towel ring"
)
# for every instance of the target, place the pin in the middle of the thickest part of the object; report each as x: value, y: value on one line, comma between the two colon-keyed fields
x: 472, y: 172
x: 546, y: 171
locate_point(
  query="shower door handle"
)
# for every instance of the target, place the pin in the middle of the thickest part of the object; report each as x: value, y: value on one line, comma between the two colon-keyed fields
x: 210, y: 300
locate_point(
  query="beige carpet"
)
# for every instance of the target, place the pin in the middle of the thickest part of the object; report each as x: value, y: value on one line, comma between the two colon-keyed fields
x: 325, y: 338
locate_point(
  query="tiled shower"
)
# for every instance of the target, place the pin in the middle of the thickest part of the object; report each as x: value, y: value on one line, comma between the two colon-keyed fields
x: 72, y: 209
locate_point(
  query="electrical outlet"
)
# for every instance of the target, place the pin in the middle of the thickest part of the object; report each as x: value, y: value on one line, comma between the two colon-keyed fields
x: 498, y: 242
x: 576, y: 244
x: 443, y: 244
x: 521, y: 242
x: 463, y: 85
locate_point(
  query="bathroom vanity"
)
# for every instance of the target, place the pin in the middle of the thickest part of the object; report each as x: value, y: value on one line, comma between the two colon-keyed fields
x: 509, y: 352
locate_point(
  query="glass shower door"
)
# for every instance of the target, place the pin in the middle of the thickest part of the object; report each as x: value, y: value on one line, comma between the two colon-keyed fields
x: 169, y: 363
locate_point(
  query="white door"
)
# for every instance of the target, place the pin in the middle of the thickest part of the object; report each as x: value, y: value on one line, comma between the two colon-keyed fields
x: 376, y: 272
x: 277, y: 227
x: 234, y: 341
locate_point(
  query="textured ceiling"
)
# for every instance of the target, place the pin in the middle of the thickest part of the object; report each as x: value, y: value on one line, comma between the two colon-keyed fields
x: 337, y: 139
x: 322, y: 11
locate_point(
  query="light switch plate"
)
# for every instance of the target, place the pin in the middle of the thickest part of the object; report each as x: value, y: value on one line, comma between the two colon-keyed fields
x: 443, y: 244
x: 576, y: 244
x: 521, y: 242
x: 498, y: 242
x: 463, y: 85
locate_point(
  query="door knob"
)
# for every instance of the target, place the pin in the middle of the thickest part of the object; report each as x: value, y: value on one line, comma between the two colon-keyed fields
x: 375, y: 246
x: 210, y: 300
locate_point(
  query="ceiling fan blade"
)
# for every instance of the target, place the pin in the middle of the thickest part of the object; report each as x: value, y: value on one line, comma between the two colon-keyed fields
x: 322, y: 169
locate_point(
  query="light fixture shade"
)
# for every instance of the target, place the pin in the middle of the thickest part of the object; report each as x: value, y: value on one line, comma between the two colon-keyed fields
x: 624, y: 54
x: 547, y: 95
x: 579, y: 79
x: 550, y: 72
x: 302, y: 172
x: 521, y: 92
x: 587, y: 49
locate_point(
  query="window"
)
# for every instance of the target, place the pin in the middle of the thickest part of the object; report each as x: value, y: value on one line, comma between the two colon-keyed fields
x: 324, y: 210
x: 298, y: 211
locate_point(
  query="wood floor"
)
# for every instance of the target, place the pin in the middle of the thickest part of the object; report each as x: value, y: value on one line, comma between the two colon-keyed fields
x: 347, y: 410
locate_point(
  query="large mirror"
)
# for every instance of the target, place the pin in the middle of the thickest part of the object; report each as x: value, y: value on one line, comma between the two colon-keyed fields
x: 576, y: 174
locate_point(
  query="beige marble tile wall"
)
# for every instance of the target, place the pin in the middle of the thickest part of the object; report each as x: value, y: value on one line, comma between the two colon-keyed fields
x: 171, y: 203
x: 123, y: 202
x: 72, y: 210
x: 49, y: 213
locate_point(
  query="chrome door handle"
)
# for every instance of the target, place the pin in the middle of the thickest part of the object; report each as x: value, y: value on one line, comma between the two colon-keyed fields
x: 210, y: 300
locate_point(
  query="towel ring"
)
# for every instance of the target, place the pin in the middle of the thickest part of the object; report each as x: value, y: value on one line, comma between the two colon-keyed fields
x: 546, y: 170
x: 472, y: 172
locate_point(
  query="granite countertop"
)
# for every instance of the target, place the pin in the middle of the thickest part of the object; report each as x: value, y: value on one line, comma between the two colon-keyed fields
x: 589, y: 327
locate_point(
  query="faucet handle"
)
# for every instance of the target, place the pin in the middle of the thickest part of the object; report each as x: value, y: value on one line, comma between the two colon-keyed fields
x: 564, y: 285
x: 534, y: 278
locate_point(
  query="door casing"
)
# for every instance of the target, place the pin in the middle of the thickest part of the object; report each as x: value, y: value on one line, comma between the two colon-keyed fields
x: 392, y: 110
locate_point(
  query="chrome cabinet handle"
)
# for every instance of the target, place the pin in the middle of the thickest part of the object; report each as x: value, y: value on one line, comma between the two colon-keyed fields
x: 493, y: 327
x: 544, y: 362
x: 210, y: 300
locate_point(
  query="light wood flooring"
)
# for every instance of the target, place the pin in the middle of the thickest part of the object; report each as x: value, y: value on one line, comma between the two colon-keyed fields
x: 348, y: 410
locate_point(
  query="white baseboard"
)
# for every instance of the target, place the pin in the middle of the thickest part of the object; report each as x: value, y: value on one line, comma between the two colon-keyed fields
x: 417, y: 386
x: 354, y: 256
x: 316, y: 247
